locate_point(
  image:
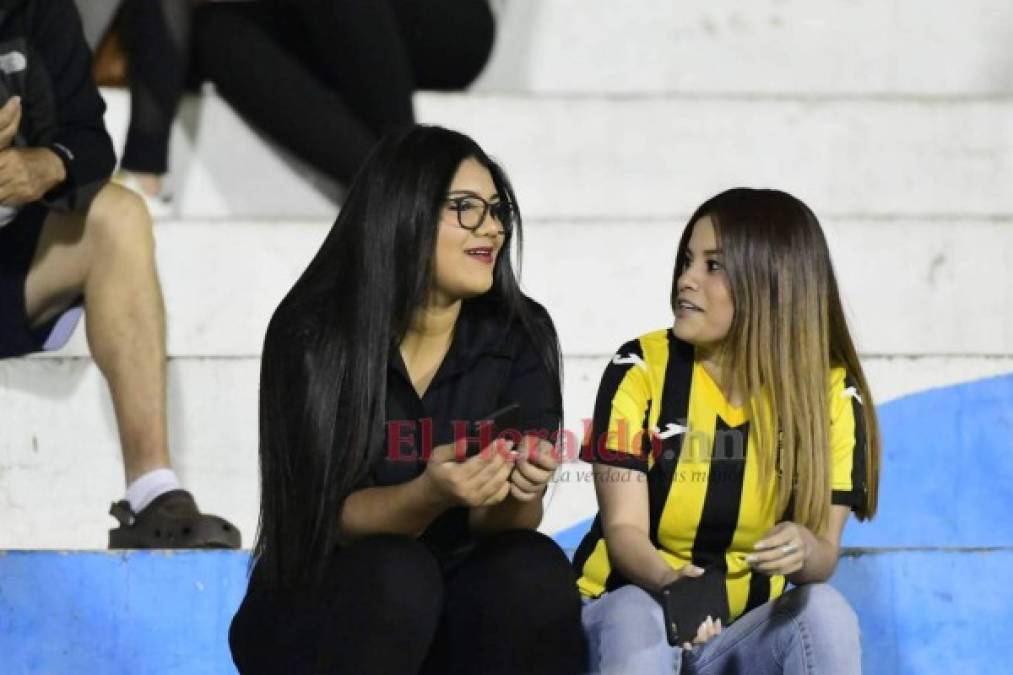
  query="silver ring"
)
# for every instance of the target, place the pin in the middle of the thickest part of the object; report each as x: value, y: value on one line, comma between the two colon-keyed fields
x: 788, y: 548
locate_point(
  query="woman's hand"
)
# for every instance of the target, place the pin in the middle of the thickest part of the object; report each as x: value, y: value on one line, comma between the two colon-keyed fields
x: 673, y: 575
x: 536, y: 463
x: 10, y: 119
x: 708, y: 629
x: 784, y: 549
x: 478, y: 481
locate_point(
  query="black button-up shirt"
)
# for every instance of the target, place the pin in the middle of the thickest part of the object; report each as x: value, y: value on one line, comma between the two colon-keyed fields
x: 490, y: 364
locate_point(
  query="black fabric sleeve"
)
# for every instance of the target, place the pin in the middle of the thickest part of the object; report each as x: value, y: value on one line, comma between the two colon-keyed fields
x: 80, y: 138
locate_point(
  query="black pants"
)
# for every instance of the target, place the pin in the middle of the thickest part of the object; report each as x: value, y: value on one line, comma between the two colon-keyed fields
x: 511, y: 606
x: 326, y: 78
x: 157, y: 36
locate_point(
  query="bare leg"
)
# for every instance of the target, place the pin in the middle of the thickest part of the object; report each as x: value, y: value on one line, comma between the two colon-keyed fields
x: 108, y: 256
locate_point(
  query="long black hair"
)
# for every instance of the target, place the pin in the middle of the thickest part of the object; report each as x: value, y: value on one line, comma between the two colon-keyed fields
x: 324, y: 366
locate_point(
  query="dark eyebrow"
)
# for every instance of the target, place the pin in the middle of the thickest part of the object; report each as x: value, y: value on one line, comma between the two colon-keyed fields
x: 710, y: 251
x: 472, y: 193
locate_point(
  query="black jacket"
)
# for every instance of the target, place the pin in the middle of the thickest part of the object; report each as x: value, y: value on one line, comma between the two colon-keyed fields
x: 45, y: 60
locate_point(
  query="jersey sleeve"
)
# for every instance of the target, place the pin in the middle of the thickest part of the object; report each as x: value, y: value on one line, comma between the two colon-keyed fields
x: 618, y: 433
x: 847, y: 441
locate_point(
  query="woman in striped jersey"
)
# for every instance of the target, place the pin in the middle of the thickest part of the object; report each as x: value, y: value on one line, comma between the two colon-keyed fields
x: 735, y: 442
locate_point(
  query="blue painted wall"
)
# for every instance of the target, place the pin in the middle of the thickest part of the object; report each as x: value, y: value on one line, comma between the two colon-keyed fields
x: 134, y: 613
x: 97, y: 613
x: 943, y: 607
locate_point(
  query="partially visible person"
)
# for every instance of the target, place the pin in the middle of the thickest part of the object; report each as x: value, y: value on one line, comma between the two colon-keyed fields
x: 157, y: 40
x: 383, y: 548
x: 735, y: 442
x: 70, y: 240
x: 326, y: 78
x: 322, y: 78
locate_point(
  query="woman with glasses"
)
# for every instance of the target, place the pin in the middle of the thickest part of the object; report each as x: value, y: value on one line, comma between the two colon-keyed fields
x: 728, y: 453
x: 384, y: 546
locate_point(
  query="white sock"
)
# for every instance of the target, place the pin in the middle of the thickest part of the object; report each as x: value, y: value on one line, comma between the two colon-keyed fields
x: 151, y: 485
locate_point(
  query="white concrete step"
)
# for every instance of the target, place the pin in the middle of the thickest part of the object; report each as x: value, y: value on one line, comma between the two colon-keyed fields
x: 60, y: 462
x: 644, y: 158
x: 911, y: 286
x: 890, y: 47
x: 908, y: 47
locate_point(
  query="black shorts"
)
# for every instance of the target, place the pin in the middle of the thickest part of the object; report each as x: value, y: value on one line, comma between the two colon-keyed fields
x: 18, y: 240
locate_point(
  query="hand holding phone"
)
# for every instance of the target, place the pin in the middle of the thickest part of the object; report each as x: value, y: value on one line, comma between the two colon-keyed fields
x: 485, y: 430
x: 688, y: 601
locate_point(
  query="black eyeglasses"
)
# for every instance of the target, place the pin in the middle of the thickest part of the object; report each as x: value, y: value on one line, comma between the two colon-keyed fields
x: 472, y: 210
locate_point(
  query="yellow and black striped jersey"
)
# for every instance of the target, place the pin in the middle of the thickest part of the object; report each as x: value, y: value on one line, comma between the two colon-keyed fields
x: 659, y: 412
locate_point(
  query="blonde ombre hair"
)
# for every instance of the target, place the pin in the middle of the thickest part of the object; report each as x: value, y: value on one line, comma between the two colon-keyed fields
x: 787, y: 332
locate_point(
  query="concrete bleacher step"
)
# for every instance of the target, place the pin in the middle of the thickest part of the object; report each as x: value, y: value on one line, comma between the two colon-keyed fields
x: 891, y: 47
x: 639, y: 159
x: 57, y: 420
x: 607, y: 281
x: 893, y: 119
x: 168, y: 613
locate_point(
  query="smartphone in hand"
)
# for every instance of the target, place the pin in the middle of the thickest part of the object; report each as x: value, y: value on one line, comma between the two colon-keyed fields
x: 688, y: 601
x: 491, y: 426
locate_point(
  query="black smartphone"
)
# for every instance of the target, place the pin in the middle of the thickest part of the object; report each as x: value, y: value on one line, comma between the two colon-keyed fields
x: 490, y: 426
x: 688, y: 601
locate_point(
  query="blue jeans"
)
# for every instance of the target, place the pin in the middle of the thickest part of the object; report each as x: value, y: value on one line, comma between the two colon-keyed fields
x: 809, y: 629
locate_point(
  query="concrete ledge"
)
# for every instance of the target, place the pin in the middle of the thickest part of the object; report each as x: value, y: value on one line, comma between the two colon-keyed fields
x: 636, y: 159
x: 162, y: 613
x: 606, y: 281
x: 810, y: 46
x: 911, y: 47
x: 950, y: 443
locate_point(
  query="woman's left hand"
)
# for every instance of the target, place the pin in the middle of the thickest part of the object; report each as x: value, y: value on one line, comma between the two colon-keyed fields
x: 784, y: 549
x: 537, y: 462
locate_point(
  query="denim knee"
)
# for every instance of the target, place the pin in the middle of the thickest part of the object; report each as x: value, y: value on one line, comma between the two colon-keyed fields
x: 626, y: 633
x: 629, y: 615
x: 825, y: 613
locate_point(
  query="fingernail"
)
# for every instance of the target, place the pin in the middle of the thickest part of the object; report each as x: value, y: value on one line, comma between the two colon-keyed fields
x: 16, y: 99
x: 759, y: 545
x: 750, y: 558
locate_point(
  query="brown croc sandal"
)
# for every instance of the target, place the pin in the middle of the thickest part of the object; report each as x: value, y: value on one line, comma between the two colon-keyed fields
x: 172, y: 520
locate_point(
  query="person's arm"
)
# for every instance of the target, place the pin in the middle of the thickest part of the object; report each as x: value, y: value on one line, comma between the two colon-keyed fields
x: 823, y: 551
x: 809, y: 558
x: 26, y: 174
x: 796, y: 552
x: 410, y: 507
x: 406, y: 509
x: 625, y: 517
x: 80, y: 141
x: 538, y: 392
